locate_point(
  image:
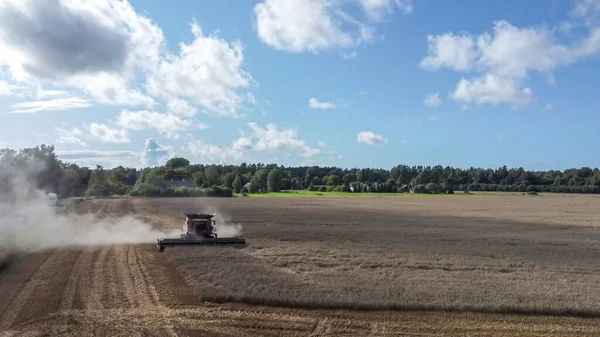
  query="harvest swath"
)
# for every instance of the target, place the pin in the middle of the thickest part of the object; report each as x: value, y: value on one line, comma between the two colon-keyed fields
x: 305, y: 256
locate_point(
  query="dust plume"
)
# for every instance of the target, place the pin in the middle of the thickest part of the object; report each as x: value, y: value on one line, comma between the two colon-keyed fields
x: 225, y: 227
x: 29, y: 220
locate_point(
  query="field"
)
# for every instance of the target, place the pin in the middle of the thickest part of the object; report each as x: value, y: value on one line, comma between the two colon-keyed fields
x: 315, y: 266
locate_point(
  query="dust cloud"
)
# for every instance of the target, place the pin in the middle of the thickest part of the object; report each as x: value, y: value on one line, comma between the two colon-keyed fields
x: 34, y: 224
x: 225, y: 227
x: 29, y: 221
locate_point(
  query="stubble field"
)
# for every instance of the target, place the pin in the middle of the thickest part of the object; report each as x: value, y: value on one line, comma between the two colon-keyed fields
x: 360, y: 267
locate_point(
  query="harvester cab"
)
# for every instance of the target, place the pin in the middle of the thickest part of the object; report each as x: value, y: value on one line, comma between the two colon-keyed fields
x: 199, y: 224
x: 199, y: 229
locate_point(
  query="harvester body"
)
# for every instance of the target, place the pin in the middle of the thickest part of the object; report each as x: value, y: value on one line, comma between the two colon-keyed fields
x: 199, y: 229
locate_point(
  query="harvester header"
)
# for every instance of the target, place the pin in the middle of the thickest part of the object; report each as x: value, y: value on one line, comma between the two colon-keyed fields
x: 199, y: 230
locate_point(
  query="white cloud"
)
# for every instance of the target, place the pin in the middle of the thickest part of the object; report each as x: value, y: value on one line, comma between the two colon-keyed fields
x: 7, y: 89
x: 112, y: 89
x: 349, y: 56
x: 93, y: 131
x: 208, y: 71
x: 108, y: 159
x: 106, y: 134
x: 166, y: 124
x: 368, y: 137
x: 548, y: 107
x: 155, y: 154
x: 265, y: 140
x: 41, y: 94
x: 64, y: 103
x: 505, y: 57
x: 271, y: 139
x: 493, y: 90
x: 313, y: 103
x: 433, y: 100
x: 242, y: 144
x: 377, y: 9
x: 321, y: 143
x: 207, y: 152
x: 308, y: 25
x: 79, y: 44
x: 72, y: 136
x: 449, y: 51
x: 181, y: 107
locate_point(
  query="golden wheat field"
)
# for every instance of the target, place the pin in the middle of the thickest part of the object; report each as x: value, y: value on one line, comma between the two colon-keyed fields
x: 451, y: 266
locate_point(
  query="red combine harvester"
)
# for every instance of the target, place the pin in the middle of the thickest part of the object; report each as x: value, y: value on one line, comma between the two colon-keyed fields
x: 200, y: 230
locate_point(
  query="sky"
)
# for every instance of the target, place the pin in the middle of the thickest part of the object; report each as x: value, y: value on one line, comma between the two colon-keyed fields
x: 346, y: 83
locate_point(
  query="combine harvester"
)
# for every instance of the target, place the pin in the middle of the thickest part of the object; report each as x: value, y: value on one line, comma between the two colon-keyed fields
x: 200, y: 230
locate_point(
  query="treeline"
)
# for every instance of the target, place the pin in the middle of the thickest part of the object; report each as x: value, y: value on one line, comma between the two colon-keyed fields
x: 178, y: 177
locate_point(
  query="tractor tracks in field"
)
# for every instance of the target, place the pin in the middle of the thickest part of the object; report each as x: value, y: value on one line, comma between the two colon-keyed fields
x: 94, y: 280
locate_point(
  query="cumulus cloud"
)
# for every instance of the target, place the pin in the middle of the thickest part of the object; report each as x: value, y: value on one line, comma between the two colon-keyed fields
x: 106, y: 134
x: 451, y: 51
x: 433, y: 100
x: 505, y: 57
x: 314, y: 103
x: 72, y: 136
x: 94, y: 131
x: 73, y: 43
x: 491, y: 89
x: 212, y: 153
x: 312, y: 25
x: 271, y: 139
x: 377, y: 9
x: 368, y: 137
x: 242, y: 143
x: 321, y: 143
x: 181, y: 107
x: 155, y: 154
x: 207, y: 71
x: 298, y: 26
x: 166, y: 124
x: 62, y: 103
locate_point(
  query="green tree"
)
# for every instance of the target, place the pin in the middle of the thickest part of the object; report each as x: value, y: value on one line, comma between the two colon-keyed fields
x: 333, y: 180
x: 261, y: 177
x: 237, y: 184
x: 199, y: 179
x: 228, y: 179
x: 274, y: 180
x: 212, y: 175
x: 177, y: 163
x: 253, y: 188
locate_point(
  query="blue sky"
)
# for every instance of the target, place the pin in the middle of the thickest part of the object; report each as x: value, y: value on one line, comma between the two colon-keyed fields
x: 350, y: 83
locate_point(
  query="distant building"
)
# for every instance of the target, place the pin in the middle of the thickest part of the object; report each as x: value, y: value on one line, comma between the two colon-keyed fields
x: 246, y: 188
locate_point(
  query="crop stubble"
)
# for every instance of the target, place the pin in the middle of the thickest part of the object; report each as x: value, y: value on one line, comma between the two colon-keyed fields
x: 353, y: 254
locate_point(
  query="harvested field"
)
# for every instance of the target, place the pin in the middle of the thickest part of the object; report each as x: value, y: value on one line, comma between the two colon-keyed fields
x: 392, y: 255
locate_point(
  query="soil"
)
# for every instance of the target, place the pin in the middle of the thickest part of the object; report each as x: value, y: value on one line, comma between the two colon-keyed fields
x: 500, y: 266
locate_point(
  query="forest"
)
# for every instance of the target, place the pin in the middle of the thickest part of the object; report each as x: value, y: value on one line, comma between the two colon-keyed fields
x: 41, y: 167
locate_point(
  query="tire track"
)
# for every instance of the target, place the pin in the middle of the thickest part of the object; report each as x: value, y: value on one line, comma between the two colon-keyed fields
x: 140, y: 283
x: 11, y: 281
x: 77, y: 290
x: 42, y: 293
